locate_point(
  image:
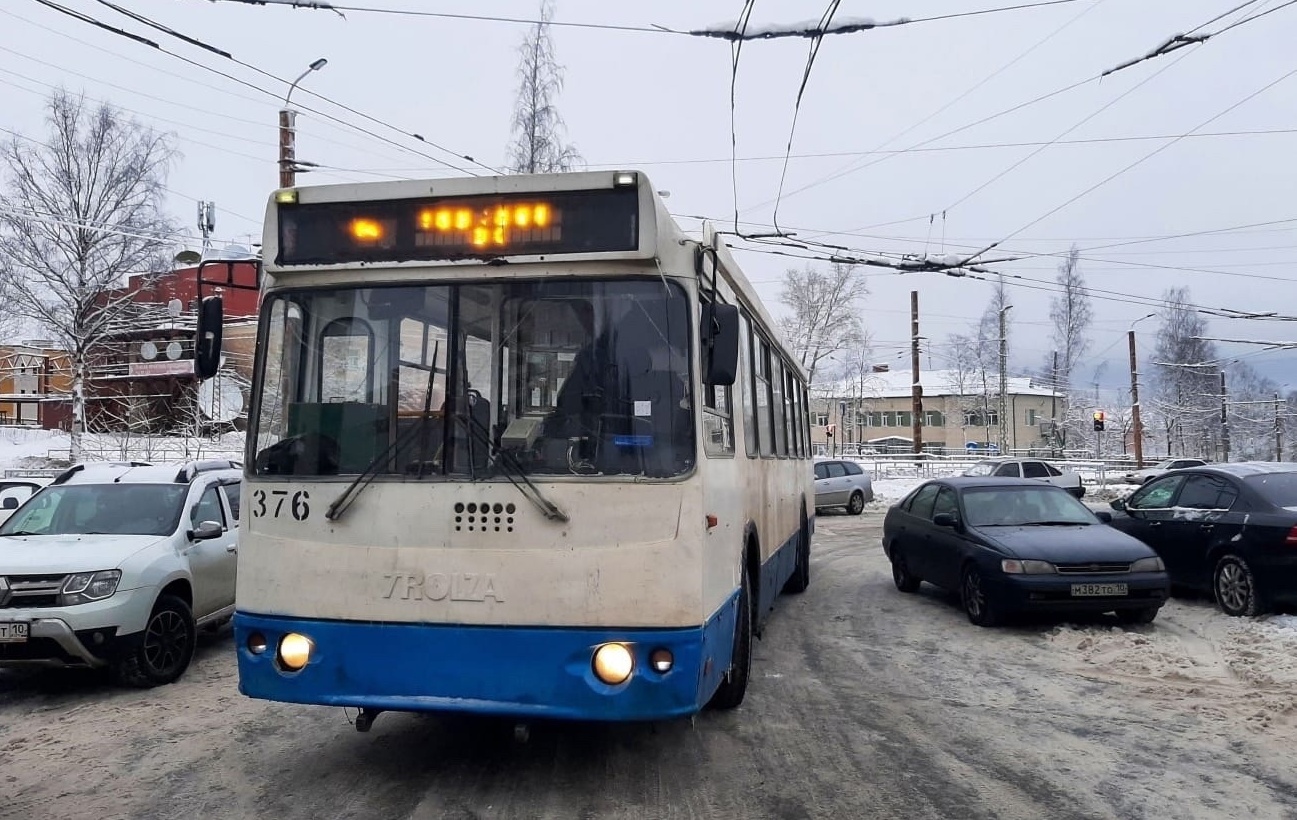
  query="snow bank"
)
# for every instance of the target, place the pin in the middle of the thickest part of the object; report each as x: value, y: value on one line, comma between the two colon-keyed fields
x: 33, y: 449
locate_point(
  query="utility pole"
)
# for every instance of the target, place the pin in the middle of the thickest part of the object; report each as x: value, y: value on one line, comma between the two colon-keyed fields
x: 287, y: 133
x: 1136, y: 425
x: 1224, y: 419
x: 1004, y: 380
x: 916, y: 391
x: 1053, y: 409
x: 1278, y: 430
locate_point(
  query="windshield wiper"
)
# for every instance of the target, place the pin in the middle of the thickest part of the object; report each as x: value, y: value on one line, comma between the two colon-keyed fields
x: 509, y: 464
x: 23, y: 532
x: 1056, y: 524
x: 367, y: 476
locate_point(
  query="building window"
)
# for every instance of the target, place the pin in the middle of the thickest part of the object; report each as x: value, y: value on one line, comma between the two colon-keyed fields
x: 933, y: 418
x: 1033, y: 418
x: 821, y: 419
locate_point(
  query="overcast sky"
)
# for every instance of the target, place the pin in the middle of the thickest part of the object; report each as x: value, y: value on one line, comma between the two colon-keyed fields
x: 660, y: 102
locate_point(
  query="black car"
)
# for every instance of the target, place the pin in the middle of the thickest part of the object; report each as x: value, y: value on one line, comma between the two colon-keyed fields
x: 1227, y: 529
x: 1017, y: 545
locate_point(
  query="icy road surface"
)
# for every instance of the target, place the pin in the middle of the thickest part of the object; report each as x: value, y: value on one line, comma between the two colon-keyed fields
x: 864, y: 703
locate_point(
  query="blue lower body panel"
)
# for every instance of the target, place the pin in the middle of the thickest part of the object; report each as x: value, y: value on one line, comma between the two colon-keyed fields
x: 543, y: 672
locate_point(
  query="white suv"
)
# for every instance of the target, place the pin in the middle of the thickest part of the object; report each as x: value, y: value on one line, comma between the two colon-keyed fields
x: 119, y: 565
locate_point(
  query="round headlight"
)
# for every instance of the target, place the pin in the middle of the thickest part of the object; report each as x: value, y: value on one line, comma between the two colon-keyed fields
x: 294, y: 651
x: 613, y: 663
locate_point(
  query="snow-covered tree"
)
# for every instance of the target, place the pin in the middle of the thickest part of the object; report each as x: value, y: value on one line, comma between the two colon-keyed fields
x: 82, y: 209
x: 539, y: 145
x: 824, y: 313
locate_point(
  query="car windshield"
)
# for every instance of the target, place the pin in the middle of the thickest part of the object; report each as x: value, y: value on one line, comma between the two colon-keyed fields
x: 1280, y: 489
x: 981, y: 468
x: 100, y: 509
x: 476, y: 381
x: 1023, y: 506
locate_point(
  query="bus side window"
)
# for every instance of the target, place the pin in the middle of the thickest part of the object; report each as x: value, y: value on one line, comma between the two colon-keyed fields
x: 746, y: 375
x: 718, y: 416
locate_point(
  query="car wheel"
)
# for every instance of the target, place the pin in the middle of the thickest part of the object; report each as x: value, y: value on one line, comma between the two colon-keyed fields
x: 166, y: 647
x: 735, y: 683
x: 1236, y: 588
x: 801, y: 577
x: 901, y: 576
x: 856, y: 504
x: 977, y: 602
x: 1143, y: 615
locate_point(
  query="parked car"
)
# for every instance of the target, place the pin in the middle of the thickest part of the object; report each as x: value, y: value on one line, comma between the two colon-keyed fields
x: 1029, y: 468
x: 14, y: 491
x: 118, y: 565
x: 842, y: 483
x: 1227, y: 529
x: 1016, y: 545
x: 1149, y: 473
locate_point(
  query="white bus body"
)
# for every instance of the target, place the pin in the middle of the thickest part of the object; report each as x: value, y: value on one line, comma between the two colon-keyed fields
x: 425, y: 527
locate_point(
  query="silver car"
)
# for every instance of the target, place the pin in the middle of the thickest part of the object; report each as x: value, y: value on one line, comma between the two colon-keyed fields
x: 1030, y: 468
x: 842, y: 483
x: 1149, y: 473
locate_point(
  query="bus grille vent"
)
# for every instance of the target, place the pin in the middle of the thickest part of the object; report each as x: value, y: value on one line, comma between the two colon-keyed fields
x: 485, y: 516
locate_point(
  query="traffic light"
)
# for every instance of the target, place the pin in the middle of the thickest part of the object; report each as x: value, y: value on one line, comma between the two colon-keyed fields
x: 1098, y: 421
x: 832, y: 428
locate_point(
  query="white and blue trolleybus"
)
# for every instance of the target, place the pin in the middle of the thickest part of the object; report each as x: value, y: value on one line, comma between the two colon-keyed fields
x: 517, y: 446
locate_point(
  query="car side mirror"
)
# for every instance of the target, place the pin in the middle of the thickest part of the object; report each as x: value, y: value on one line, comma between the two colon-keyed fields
x: 9, y: 503
x: 1118, y: 504
x: 945, y: 520
x: 207, y: 531
x: 1104, y: 516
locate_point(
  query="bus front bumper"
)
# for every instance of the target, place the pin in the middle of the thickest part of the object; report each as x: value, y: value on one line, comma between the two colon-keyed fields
x: 524, y: 671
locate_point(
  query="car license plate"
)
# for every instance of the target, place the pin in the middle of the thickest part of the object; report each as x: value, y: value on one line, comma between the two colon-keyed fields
x: 1098, y: 590
x: 12, y: 632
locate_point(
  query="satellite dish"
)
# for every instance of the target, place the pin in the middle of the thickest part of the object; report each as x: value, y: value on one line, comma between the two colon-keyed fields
x: 188, y: 258
x: 148, y: 351
x: 220, y: 399
x: 174, y: 307
x: 174, y: 351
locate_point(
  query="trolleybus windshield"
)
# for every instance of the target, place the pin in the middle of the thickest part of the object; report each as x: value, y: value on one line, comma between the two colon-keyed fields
x: 571, y: 377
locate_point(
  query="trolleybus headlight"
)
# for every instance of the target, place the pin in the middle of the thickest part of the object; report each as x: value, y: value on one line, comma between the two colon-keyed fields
x: 256, y: 643
x: 613, y: 663
x: 294, y: 651
x: 661, y: 660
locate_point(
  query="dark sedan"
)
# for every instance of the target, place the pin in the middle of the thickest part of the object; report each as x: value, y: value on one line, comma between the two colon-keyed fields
x: 1015, y: 545
x: 1227, y: 529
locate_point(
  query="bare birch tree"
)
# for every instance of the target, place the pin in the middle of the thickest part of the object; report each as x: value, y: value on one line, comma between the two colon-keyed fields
x: 82, y: 209
x: 539, y: 145
x: 1071, y: 314
x: 824, y: 313
x: 1186, y: 382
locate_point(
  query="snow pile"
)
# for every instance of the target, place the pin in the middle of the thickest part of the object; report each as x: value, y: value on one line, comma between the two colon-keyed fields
x: 34, y: 449
x: 1194, y: 661
x: 891, y: 490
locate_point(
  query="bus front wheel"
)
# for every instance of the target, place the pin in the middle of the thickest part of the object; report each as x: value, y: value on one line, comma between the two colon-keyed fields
x: 735, y: 683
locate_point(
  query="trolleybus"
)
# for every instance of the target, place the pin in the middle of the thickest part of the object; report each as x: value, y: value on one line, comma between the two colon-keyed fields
x: 517, y: 446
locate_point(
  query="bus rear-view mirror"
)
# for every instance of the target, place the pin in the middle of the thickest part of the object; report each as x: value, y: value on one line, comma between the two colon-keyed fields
x: 720, y: 340
x: 207, y: 341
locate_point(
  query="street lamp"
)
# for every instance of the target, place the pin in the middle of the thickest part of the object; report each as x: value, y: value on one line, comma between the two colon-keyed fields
x: 287, y: 153
x: 1137, y: 426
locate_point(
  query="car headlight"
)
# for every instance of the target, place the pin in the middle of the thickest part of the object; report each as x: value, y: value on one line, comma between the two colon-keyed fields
x: 84, y: 587
x: 1013, y: 566
x: 1153, y: 564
